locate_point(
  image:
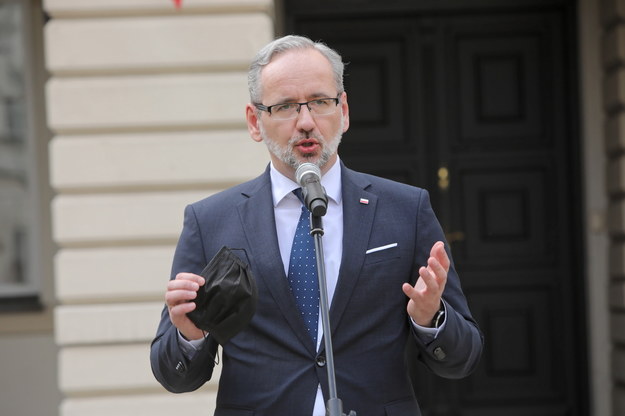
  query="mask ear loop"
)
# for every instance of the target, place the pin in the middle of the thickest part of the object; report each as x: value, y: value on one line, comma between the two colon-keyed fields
x: 244, y: 252
x: 216, y: 358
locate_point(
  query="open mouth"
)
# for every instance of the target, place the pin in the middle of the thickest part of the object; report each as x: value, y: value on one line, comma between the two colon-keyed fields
x: 307, y: 146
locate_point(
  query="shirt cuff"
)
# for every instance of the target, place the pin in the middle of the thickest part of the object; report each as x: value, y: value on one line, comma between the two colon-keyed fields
x: 426, y: 334
x: 189, y: 347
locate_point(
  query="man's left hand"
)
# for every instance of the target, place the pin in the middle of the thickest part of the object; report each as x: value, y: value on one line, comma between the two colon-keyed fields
x: 425, y: 296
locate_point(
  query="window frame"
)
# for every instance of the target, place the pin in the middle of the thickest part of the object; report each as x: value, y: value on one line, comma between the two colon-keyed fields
x: 36, y: 289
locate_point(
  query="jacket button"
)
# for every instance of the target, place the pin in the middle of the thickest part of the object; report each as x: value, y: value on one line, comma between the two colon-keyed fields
x: 439, y: 353
x: 180, y: 367
x: 321, y: 360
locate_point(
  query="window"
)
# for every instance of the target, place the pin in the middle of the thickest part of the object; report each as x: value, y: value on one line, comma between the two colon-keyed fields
x: 20, y: 196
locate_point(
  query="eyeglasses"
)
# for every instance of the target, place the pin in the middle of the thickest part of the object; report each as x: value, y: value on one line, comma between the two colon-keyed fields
x: 289, y: 111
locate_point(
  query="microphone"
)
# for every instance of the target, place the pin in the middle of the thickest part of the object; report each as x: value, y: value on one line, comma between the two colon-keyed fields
x: 308, y: 176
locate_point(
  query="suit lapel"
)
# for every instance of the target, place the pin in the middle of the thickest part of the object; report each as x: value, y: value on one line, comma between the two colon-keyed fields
x: 358, y: 213
x: 258, y: 221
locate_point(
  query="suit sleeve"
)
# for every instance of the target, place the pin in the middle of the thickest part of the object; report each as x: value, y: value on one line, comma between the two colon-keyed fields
x: 457, y: 349
x: 171, y: 367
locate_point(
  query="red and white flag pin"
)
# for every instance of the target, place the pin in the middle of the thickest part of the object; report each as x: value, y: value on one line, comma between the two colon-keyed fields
x: 364, y: 201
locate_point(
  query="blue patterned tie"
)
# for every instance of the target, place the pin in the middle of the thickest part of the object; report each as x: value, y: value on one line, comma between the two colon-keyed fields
x: 303, y: 272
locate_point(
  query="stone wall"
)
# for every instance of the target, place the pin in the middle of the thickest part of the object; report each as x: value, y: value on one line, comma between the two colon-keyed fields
x: 613, y: 21
x: 146, y: 107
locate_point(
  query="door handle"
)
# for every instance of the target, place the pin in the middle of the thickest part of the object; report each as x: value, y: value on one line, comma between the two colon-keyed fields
x: 443, y: 178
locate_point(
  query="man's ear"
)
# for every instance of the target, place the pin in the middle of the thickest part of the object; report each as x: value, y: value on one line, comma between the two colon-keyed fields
x: 345, y: 108
x: 251, y: 115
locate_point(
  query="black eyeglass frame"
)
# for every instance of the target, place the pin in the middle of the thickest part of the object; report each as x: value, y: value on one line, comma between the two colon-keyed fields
x: 266, y: 108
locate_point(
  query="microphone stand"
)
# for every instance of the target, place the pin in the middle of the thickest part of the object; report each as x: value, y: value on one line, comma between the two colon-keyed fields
x: 334, y: 405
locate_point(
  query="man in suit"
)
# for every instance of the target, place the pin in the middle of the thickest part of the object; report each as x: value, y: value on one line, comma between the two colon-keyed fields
x: 390, y: 275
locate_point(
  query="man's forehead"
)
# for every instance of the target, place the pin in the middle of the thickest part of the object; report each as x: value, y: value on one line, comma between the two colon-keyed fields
x: 297, y: 59
x: 297, y: 72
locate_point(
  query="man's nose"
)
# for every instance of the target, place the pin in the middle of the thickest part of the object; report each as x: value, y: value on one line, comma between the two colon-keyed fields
x: 305, y: 119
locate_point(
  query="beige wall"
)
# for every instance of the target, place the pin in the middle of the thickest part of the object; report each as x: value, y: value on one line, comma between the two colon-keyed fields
x: 146, y: 106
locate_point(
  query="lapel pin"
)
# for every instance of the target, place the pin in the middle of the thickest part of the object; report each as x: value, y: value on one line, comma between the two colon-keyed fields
x: 364, y: 201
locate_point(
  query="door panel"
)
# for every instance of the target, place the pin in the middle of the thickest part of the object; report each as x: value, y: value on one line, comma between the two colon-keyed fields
x: 499, y: 88
x: 475, y: 107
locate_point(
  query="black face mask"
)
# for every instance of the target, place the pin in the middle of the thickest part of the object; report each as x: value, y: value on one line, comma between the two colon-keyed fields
x: 227, y: 301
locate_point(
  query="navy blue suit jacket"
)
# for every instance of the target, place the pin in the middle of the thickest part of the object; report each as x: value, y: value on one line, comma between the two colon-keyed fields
x: 271, y: 368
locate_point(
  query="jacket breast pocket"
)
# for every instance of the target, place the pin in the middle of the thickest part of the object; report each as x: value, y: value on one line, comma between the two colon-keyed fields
x: 382, y: 253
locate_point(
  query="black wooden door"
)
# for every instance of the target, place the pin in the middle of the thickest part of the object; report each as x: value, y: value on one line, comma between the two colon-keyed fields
x: 475, y: 102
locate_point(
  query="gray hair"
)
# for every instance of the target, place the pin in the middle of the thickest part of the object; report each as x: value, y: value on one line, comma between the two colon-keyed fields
x: 287, y: 43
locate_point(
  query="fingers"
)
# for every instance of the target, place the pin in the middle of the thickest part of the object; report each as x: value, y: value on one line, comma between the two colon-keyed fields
x: 180, y: 293
x: 179, y: 310
x: 429, y: 287
x: 438, y: 252
x: 438, y: 266
x: 429, y: 279
x: 189, y: 277
x: 434, y: 276
x: 425, y: 295
x: 183, y: 288
x: 409, y: 290
x: 435, y: 273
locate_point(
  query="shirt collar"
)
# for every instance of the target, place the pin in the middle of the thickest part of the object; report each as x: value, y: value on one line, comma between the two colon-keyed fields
x: 283, y: 187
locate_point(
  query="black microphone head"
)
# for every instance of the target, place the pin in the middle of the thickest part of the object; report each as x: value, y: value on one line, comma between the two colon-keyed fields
x: 304, y: 169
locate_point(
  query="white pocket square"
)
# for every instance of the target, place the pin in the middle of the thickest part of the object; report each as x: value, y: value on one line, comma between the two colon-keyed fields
x: 386, y: 247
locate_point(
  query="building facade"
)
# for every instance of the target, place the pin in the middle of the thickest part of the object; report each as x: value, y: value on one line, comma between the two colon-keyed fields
x: 135, y: 108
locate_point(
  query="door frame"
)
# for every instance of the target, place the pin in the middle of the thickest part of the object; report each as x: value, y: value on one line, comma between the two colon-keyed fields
x: 595, y: 206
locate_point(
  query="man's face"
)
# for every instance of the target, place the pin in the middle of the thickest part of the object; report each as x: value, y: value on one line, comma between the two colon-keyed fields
x: 289, y: 156
x: 292, y: 77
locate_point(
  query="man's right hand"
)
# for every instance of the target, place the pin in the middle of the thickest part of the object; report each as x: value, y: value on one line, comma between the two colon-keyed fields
x: 180, y: 292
